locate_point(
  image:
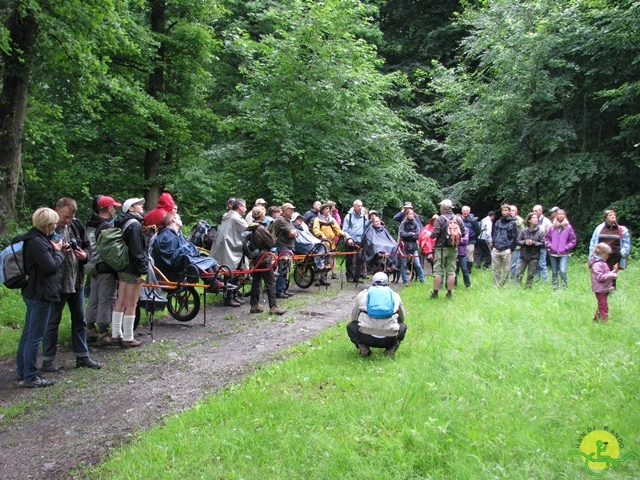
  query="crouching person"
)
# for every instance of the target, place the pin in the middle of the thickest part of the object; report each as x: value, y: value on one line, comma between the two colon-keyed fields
x: 377, y: 318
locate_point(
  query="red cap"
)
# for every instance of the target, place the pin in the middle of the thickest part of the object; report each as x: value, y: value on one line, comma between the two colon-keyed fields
x: 106, y: 201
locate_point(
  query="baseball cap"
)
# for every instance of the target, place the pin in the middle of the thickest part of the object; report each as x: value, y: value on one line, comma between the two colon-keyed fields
x: 287, y: 205
x: 106, y: 201
x: 295, y: 216
x: 260, y: 201
x: 380, y: 278
x: 131, y: 202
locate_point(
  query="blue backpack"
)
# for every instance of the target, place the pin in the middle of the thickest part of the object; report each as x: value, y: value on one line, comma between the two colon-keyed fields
x: 380, y: 302
x: 12, y: 271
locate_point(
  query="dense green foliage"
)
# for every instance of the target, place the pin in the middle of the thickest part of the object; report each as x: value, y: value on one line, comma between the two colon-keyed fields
x: 388, y: 100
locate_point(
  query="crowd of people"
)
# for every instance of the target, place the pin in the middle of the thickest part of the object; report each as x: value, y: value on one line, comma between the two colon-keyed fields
x: 60, y: 252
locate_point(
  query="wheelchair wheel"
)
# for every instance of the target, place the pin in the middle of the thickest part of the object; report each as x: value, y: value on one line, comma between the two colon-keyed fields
x: 284, y: 269
x: 303, y: 274
x: 184, y: 304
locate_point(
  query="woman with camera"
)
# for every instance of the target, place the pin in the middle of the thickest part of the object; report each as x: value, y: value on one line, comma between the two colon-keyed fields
x: 43, y: 264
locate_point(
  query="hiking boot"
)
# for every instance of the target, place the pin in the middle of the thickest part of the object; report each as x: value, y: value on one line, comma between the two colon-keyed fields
x: 334, y: 276
x: 281, y: 295
x: 92, y: 335
x: 434, y: 294
x: 86, y: 362
x: 449, y: 294
x: 104, y: 340
x: 37, y: 382
x: 390, y: 351
x: 116, y: 341
x: 229, y: 301
x: 131, y: 343
x: 288, y: 294
x: 256, y: 309
x: 364, y: 350
x: 49, y: 367
x: 276, y: 311
x: 324, y: 283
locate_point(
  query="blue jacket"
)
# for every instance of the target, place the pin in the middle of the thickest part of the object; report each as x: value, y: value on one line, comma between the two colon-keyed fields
x: 354, y: 225
x: 505, y: 234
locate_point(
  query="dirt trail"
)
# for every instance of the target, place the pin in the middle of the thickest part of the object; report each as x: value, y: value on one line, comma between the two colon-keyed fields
x: 88, y: 413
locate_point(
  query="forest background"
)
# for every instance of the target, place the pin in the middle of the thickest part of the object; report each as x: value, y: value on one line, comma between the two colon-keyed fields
x: 535, y: 101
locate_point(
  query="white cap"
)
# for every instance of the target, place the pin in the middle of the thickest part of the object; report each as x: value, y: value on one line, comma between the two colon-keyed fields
x: 131, y: 202
x: 380, y: 278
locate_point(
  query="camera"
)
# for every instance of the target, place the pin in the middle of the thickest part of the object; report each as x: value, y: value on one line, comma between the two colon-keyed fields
x: 73, y: 244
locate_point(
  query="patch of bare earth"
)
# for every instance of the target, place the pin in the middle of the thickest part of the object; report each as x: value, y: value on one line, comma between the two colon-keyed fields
x: 88, y: 413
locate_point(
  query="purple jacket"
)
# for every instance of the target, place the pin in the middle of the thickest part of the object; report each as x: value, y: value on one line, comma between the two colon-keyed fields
x: 601, y: 276
x: 559, y: 242
x: 462, y: 248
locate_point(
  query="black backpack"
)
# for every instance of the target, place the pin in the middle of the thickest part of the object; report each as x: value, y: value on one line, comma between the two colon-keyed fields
x: 249, y: 247
x: 202, y: 235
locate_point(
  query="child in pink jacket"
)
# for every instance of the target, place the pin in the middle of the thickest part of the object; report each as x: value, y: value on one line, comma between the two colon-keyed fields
x: 602, y: 279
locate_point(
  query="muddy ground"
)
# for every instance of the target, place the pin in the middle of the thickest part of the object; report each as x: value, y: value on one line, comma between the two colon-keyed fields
x: 88, y: 413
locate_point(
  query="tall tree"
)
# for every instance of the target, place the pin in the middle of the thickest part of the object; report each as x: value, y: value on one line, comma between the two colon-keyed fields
x: 527, y: 112
x: 16, y: 60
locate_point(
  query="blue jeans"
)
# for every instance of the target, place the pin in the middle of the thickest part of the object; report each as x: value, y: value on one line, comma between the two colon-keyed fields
x: 35, y: 324
x: 542, y: 265
x: 559, y: 264
x: 281, y: 281
x: 78, y: 326
x: 515, y: 257
x: 416, y: 265
x: 463, y: 265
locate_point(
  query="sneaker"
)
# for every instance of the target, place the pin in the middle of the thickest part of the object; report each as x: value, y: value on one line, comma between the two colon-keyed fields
x: 390, y: 351
x: 281, y: 295
x: 434, y: 294
x: 288, y: 294
x: 276, y: 311
x: 334, y: 276
x: 256, y: 309
x: 37, y: 382
x: 405, y: 284
x: 130, y: 343
x: 49, y: 367
x: 324, y: 283
x: 116, y: 341
x: 364, y: 350
x: 86, y: 362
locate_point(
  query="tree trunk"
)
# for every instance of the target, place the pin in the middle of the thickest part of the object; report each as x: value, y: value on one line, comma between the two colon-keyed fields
x: 153, y: 156
x: 23, y: 29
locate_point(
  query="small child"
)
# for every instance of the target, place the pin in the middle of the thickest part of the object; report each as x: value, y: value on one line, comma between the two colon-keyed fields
x: 602, y: 279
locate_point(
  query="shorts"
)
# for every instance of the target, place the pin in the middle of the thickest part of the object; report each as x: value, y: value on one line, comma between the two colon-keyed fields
x: 445, y: 261
x: 129, y: 278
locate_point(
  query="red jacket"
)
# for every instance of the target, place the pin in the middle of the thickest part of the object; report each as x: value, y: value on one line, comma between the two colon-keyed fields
x: 155, y: 216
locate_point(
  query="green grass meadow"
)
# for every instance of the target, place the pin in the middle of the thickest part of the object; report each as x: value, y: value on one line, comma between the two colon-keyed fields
x: 496, y: 383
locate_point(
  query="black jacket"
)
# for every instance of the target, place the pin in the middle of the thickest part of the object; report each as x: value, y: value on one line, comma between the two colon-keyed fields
x: 409, y: 233
x: 530, y: 252
x: 43, y: 265
x: 471, y: 224
x: 505, y: 234
x: 134, y: 238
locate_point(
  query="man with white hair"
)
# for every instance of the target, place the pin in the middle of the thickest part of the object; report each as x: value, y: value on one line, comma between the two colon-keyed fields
x: 377, y: 318
x: 545, y: 224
